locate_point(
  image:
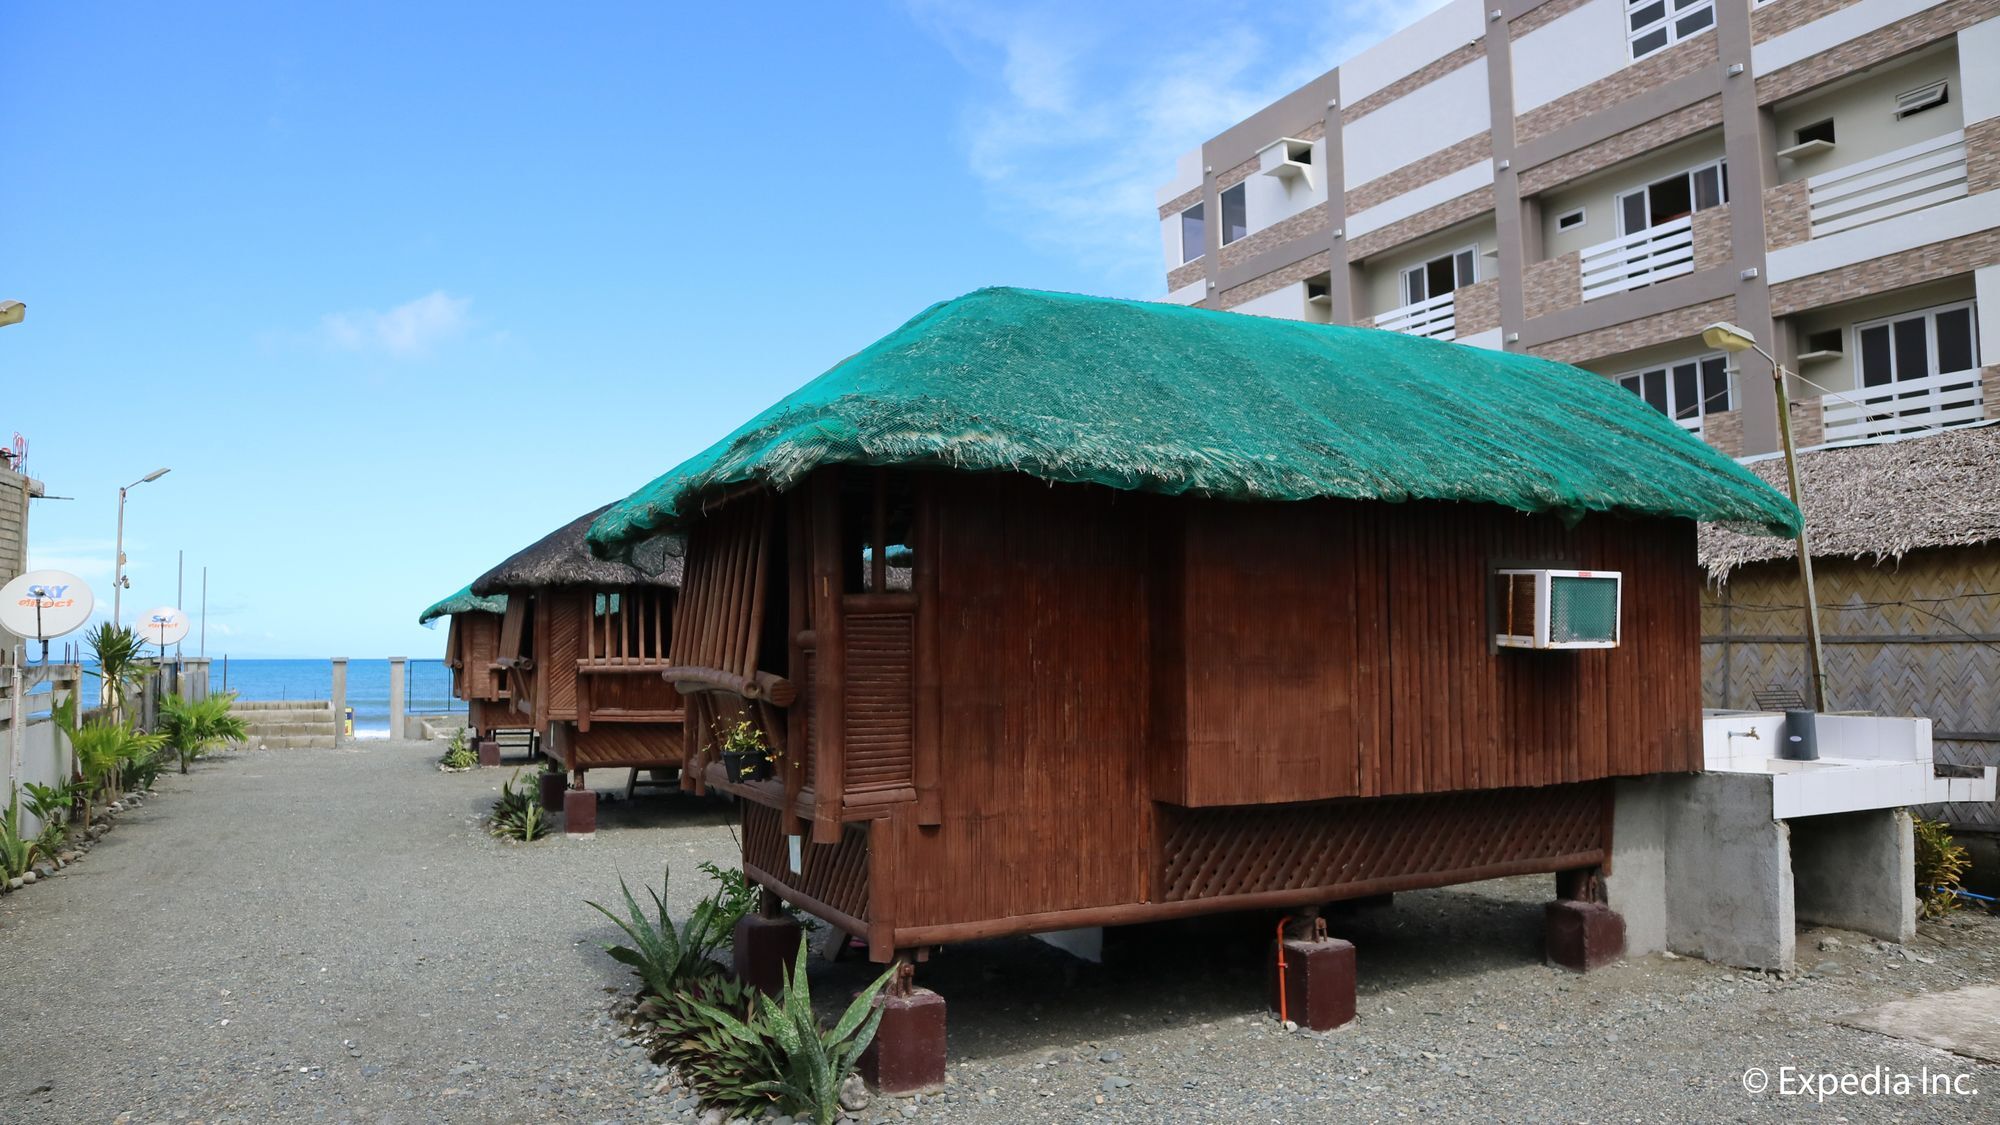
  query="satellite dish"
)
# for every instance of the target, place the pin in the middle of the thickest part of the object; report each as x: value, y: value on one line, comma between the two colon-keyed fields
x: 45, y: 603
x: 163, y: 626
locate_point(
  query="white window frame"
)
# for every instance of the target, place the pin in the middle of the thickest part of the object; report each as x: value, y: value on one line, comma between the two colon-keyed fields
x: 1701, y: 410
x: 1221, y: 229
x: 1579, y: 215
x: 1929, y: 316
x: 1721, y: 166
x: 1672, y: 12
x: 1180, y: 231
x: 1422, y: 268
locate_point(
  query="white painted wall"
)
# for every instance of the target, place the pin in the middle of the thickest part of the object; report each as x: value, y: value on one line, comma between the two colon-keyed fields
x: 1986, y: 287
x: 1288, y: 303
x: 1427, y: 119
x: 1598, y: 195
x: 1188, y: 294
x: 1443, y: 189
x: 1269, y: 200
x: 1570, y: 52
x: 1187, y: 177
x: 1980, y: 84
x: 1957, y: 219
x: 1417, y: 46
x: 1827, y: 32
x: 1489, y: 339
x: 1864, y: 115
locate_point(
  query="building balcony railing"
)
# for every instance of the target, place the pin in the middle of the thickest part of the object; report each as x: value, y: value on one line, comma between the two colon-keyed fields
x: 1651, y: 255
x: 1908, y: 406
x: 1909, y: 179
x: 1436, y: 318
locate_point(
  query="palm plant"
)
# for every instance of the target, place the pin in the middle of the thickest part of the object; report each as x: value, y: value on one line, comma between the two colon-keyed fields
x: 194, y: 728
x: 117, y: 650
x: 17, y: 854
x: 808, y: 1064
x: 105, y: 749
x: 664, y: 956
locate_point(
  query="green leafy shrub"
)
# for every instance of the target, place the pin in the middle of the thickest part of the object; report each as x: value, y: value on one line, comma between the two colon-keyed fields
x: 806, y: 1063
x: 1941, y: 864
x: 17, y: 854
x: 723, y: 1070
x: 194, y: 728
x: 518, y: 814
x: 458, y: 753
x: 662, y: 955
x: 106, y: 751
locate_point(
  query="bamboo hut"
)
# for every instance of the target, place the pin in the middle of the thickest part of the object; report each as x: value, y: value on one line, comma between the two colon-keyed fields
x: 1905, y: 538
x: 470, y: 646
x: 1201, y: 615
x: 583, y: 650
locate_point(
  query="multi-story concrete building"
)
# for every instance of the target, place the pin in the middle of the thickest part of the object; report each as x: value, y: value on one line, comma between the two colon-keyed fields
x: 1596, y: 180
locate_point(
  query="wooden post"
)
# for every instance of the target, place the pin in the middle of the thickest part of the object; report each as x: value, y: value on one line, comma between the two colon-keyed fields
x: 929, y: 701
x: 830, y: 658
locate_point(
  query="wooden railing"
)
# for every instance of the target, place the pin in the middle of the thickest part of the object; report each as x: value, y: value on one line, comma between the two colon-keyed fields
x: 1906, y: 407
x: 1909, y: 179
x: 1648, y: 256
x: 1435, y: 318
x: 628, y: 631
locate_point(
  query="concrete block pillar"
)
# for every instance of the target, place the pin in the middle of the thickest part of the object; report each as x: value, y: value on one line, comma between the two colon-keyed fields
x: 339, y: 700
x: 1635, y: 882
x: 1312, y: 981
x: 907, y: 1055
x: 398, y: 695
x: 1857, y: 871
x: 1729, y: 872
x: 764, y: 948
x: 194, y: 678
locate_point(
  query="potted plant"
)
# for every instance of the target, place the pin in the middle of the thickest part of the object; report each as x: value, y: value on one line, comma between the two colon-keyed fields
x: 745, y: 754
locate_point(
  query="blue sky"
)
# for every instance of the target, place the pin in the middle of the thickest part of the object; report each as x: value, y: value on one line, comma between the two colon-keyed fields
x: 396, y: 288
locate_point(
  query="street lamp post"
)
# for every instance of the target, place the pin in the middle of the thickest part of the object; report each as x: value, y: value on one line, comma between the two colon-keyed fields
x: 11, y: 312
x: 118, y: 567
x: 1732, y: 339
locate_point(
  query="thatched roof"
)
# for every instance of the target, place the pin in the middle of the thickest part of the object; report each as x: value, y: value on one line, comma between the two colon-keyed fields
x: 464, y: 601
x: 1880, y: 501
x: 560, y: 559
x: 1170, y: 399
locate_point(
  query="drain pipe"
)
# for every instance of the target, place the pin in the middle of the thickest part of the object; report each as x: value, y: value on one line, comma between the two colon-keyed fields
x: 1284, y: 1015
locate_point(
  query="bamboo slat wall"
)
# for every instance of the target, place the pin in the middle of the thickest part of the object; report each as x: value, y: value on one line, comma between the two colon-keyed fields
x: 1920, y: 637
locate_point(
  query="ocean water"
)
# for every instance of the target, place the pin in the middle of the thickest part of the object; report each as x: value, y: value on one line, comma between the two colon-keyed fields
x: 429, y: 686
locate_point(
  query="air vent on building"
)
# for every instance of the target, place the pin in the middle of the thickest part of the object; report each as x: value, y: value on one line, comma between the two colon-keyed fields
x: 1822, y: 345
x: 1557, y: 609
x: 1287, y: 158
x: 1917, y: 101
x: 1319, y: 290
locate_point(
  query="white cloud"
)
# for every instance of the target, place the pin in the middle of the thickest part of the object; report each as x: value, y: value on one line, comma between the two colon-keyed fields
x: 410, y: 329
x: 88, y: 559
x: 1080, y: 119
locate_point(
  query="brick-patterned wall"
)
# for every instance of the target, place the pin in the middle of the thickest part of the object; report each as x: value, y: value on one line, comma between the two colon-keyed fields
x: 1880, y: 275
x: 1552, y: 285
x: 1277, y: 279
x: 1724, y: 431
x: 1898, y: 38
x: 1185, y: 275
x: 1542, y: 14
x: 1308, y: 223
x: 1989, y: 390
x: 1180, y: 203
x: 1712, y: 238
x: 1787, y: 218
x: 1665, y: 129
x: 1238, y: 174
x: 1773, y: 20
x: 1416, y: 174
x: 1422, y: 223
x: 1808, y: 422
x: 1476, y: 308
x: 1982, y: 155
x: 1416, y: 80
x: 1685, y: 57
x: 1675, y: 324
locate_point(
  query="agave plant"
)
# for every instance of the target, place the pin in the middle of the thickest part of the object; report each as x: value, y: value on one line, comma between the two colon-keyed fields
x: 193, y: 728
x: 458, y: 755
x: 518, y: 814
x: 17, y: 853
x: 666, y: 957
x: 808, y: 1064
x: 725, y: 1071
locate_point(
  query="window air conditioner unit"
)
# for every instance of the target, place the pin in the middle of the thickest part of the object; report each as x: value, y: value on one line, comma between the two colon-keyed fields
x: 1916, y: 101
x: 1287, y: 158
x: 1555, y: 609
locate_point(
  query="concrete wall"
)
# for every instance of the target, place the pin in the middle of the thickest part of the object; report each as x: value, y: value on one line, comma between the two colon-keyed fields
x: 1570, y: 52
x: 1729, y: 891
x: 14, y: 489
x: 1853, y: 870
x: 1598, y: 195
x: 1864, y: 114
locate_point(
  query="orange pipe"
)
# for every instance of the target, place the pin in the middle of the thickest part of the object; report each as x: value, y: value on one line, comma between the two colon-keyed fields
x: 1284, y: 1016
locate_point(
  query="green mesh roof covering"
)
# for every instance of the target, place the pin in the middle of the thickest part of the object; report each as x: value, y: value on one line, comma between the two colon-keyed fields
x: 1165, y: 398
x: 465, y: 601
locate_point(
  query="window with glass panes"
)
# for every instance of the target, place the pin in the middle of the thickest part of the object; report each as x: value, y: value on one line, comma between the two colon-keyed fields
x: 1235, y: 214
x: 1194, y: 232
x: 1653, y: 24
x: 1915, y: 345
x: 1686, y: 391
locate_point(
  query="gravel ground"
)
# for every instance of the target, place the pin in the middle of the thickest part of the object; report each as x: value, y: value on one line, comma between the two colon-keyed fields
x: 328, y: 935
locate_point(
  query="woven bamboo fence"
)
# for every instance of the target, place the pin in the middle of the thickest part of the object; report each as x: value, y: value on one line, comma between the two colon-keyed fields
x: 1916, y: 637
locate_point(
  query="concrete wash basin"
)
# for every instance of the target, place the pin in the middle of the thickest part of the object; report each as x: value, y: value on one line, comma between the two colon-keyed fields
x: 1865, y: 762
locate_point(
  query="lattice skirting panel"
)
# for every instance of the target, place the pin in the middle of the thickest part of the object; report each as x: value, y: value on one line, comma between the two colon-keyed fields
x: 1414, y: 841
x: 835, y: 874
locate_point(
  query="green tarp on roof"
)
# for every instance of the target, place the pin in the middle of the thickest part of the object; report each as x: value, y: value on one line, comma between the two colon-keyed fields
x: 1165, y: 398
x: 465, y: 601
